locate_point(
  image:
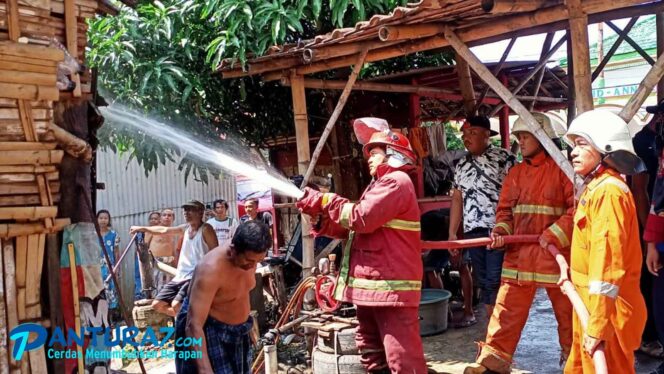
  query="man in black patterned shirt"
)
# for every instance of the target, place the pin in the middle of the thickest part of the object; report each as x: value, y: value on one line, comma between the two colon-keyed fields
x: 477, y: 182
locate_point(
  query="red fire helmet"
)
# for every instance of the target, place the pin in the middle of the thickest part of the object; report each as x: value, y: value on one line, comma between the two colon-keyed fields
x: 393, y: 141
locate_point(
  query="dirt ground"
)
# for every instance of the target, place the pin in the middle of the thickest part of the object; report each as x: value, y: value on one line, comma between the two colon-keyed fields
x: 538, y: 350
x: 450, y: 352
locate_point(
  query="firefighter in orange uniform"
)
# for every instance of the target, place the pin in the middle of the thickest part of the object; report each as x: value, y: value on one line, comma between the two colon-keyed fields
x: 606, y: 252
x: 536, y: 198
x: 381, y: 269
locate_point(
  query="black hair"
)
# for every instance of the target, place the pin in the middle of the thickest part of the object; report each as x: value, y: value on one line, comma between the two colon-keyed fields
x: 220, y: 201
x: 252, y: 199
x: 108, y: 214
x: 153, y: 213
x: 252, y: 236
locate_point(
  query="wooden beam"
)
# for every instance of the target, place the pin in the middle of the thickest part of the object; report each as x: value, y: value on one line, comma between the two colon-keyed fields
x: 10, y: 296
x: 578, y: 23
x: 540, y: 75
x: 466, y: 85
x: 4, y: 358
x: 631, y: 42
x: 555, y: 77
x: 614, y: 48
x: 496, y: 70
x: 513, y: 102
x: 424, y: 91
x: 659, y: 25
x: 542, y: 20
x: 540, y: 65
x: 645, y: 88
x: 303, y: 154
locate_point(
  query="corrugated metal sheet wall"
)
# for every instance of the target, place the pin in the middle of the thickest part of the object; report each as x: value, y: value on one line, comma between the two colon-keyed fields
x: 130, y: 196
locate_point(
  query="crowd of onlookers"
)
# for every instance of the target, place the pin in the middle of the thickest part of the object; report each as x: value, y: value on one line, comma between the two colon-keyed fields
x: 178, y: 246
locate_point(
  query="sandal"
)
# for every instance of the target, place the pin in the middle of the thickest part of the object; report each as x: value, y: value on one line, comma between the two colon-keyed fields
x: 652, y: 349
x: 465, y: 322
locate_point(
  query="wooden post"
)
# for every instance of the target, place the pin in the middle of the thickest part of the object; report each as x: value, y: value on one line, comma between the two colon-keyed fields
x: 505, y: 120
x: 578, y: 25
x: 571, y: 92
x: 645, y: 88
x: 496, y: 70
x: 10, y: 296
x: 659, y: 22
x: 510, y: 100
x: 4, y: 358
x: 466, y: 85
x: 302, y: 136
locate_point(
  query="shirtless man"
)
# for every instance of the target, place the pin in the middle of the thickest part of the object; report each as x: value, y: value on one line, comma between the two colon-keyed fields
x: 164, y: 248
x: 198, y: 239
x: 217, y: 307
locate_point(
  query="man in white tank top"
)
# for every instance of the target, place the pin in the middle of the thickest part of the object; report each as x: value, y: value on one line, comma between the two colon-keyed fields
x: 223, y: 225
x: 198, y: 239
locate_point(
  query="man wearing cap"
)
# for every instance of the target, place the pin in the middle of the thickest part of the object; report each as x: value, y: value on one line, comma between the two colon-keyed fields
x: 648, y: 144
x: 478, y: 179
x: 381, y: 269
x: 198, y: 239
x: 606, y: 260
x: 536, y: 198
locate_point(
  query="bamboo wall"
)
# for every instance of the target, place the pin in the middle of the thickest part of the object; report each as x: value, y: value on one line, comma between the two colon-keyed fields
x: 29, y: 156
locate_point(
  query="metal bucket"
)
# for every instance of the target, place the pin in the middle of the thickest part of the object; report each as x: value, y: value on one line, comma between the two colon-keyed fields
x: 433, y: 311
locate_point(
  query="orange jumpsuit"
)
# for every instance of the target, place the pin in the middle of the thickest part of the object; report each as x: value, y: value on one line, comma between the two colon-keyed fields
x: 605, y: 270
x: 537, y: 198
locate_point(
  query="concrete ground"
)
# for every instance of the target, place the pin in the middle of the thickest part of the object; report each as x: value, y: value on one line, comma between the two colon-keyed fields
x: 450, y: 352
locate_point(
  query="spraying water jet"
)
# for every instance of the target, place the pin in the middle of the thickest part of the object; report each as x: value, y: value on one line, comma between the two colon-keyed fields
x: 136, y: 121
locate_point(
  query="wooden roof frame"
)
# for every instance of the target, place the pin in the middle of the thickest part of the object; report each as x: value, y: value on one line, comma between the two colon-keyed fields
x: 402, y: 33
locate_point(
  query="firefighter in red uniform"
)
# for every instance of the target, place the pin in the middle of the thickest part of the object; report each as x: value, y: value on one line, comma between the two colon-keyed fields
x: 536, y: 198
x: 381, y: 269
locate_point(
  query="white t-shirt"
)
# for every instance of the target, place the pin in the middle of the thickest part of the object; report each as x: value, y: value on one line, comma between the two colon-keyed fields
x: 224, y: 229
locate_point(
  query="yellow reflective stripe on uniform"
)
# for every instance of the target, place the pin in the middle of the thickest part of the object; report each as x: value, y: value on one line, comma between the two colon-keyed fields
x: 560, y: 234
x: 401, y: 224
x: 325, y: 200
x: 344, y: 217
x: 603, y: 288
x: 385, y: 285
x: 527, y: 276
x: 340, y: 289
x: 538, y: 209
x: 505, y: 227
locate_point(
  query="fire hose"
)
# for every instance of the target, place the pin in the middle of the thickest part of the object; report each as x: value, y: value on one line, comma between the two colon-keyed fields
x: 599, y: 358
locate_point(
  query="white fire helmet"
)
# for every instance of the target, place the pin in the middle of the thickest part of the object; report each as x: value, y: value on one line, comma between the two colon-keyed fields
x: 545, y: 121
x: 607, y: 133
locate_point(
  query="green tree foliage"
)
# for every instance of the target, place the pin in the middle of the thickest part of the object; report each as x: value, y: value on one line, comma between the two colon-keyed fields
x: 159, y: 58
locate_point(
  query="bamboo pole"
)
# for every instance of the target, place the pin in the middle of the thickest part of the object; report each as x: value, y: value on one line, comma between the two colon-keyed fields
x: 30, y: 157
x: 513, y: 103
x: 407, y: 32
x: 513, y: 6
x: 631, y: 42
x: 28, y: 212
x: 335, y: 115
x: 651, y: 79
x: 546, y: 19
x: 578, y: 23
x: 614, y: 48
x: 466, y: 85
x: 540, y: 75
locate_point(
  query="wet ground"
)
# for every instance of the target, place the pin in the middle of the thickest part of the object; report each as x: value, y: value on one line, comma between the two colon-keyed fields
x: 538, y: 350
x: 450, y: 352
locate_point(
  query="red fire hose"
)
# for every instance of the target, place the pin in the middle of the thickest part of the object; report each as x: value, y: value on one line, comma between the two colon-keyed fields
x: 469, y: 243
